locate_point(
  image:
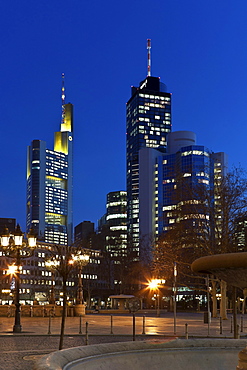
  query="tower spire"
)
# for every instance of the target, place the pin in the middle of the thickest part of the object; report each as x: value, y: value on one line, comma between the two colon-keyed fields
x: 149, y: 56
x: 63, y: 100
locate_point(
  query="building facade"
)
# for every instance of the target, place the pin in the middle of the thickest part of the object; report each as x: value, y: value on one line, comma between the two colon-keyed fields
x: 10, y: 223
x: 172, y: 183
x: 49, y: 184
x: 148, y: 123
x: 113, y: 225
x: 83, y: 231
x: 116, y: 220
x: 37, y: 281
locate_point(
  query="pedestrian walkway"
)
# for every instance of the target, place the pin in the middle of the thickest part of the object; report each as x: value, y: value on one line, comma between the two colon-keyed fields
x: 190, y: 324
x: 19, y: 351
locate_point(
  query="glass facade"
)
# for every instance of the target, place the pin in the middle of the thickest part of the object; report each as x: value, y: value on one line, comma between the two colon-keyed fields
x: 148, y: 123
x: 177, y: 178
x: 49, y: 185
x: 181, y: 178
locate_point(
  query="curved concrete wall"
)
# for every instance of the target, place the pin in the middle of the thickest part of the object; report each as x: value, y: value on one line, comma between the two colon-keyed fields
x: 196, y: 354
x: 179, y: 139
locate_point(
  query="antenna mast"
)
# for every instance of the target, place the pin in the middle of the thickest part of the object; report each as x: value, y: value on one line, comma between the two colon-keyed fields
x: 149, y: 56
x: 63, y: 100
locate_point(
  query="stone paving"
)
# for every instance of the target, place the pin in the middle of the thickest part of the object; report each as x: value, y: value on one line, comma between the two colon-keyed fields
x: 18, y: 351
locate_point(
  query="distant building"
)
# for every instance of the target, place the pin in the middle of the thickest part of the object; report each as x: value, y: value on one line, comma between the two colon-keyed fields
x: 36, y: 280
x: 169, y: 180
x: 84, y: 230
x: 49, y: 183
x: 10, y: 223
x: 241, y: 235
x: 112, y: 234
x: 113, y: 224
x: 116, y: 220
x: 116, y: 216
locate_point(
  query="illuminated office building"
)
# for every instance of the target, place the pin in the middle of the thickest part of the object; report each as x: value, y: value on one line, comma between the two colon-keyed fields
x: 49, y: 183
x: 170, y: 181
x: 116, y: 218
x: 116, y: 211
x: 113, y: 224
x: 148, y: 123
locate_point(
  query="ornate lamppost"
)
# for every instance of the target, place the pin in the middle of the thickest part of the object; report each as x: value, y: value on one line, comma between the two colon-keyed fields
x: 79, y: 260
x: 15, y: 246
x: 51, y: 265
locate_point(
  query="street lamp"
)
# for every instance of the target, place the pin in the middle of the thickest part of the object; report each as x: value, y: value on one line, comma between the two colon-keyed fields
x: 12, y: 269
x: 80, y: 260
x: 14, y: 246
x: 154, y: 284
x: 52, y: 264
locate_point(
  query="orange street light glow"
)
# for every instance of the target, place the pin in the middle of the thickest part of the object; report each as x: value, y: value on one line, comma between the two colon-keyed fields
x: 12, y: 269
x: 153, y: 284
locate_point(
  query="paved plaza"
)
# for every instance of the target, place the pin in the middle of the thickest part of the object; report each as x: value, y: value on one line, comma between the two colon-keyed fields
x: 18, y: 351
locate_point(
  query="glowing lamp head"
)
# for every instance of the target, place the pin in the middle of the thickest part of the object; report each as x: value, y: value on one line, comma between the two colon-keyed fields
x: 83, y: 257
x: 31, y: 238
x: 12, y: 269
x: 80, y: 259
x: 153, y: 284
x: 5, y: 237
x: 18, y: 236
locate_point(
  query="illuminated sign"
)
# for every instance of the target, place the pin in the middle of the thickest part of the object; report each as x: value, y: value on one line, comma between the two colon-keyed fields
x: 144, y: 84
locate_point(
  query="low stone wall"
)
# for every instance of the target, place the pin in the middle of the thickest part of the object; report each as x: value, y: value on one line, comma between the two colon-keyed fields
x: 196, y: 354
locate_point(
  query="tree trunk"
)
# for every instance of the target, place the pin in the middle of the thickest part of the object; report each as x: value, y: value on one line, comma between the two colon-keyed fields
x: 214, y: 299
x: 223, y: 311
x: 63, y: 315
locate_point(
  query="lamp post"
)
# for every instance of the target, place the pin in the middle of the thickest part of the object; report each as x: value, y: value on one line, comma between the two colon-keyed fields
x: 14, y: 246
x: 79, y: 260
x: 62, y: 259
x: 51, y: 264
x: 155, y: 285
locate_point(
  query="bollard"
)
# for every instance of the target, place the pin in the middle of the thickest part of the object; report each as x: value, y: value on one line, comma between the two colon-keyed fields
x: 134, y: 327
x: 220, y: 325
x: 111, y: 324
x: 242, y: 324
x: 80, y: 331
x: 231, y: 323
x: 143, y: 325
x: 238, y: 335
x: 49, y: 324
x: 86, y: 340
x: 186, y: 331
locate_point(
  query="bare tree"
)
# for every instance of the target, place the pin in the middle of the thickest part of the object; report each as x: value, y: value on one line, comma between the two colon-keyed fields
x: 206, y: 219
x: 61, y: 260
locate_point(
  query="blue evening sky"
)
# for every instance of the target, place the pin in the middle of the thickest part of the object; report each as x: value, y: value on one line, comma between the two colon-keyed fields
x: 198, y: 50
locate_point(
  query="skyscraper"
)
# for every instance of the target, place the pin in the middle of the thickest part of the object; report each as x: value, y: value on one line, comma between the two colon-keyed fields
x: 170, y: 183
x: 49, y: 183
x: 114, y: 225
x: 148, y: 123
x: 116, y: 220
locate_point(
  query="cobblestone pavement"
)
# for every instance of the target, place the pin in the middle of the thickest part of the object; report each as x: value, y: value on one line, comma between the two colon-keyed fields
x: 19, y: 353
